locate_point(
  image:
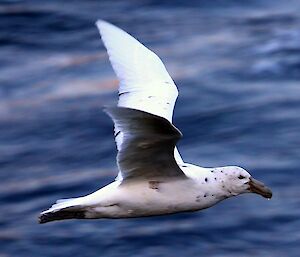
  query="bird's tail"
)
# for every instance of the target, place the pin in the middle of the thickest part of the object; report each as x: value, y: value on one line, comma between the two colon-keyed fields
x: 63, y: 209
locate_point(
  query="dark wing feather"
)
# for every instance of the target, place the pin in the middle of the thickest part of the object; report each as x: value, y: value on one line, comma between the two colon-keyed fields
x: 148, y: 144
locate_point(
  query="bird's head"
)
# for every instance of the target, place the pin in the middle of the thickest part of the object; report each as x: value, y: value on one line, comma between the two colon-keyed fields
x: 237, y: 181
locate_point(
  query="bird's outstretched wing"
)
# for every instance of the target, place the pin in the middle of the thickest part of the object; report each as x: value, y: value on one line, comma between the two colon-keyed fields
x: 148, y: 144
x: 145, y: 83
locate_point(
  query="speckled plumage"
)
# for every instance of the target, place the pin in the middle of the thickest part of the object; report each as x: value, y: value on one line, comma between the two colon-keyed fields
x: 153, y: 179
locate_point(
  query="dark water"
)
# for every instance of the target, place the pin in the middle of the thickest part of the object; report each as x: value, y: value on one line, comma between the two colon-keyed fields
x: 237, y: 66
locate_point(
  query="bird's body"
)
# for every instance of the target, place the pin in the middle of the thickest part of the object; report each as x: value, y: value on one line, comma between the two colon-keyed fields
x: 140, y: 197
x: 153, y: 179
x: 150, y: 198
x: 146, y: 198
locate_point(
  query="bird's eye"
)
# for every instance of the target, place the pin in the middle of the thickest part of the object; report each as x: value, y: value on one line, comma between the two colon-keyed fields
x: 241, y: 177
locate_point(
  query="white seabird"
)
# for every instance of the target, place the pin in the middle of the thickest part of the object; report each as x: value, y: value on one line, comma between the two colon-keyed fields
x: 153, y: 179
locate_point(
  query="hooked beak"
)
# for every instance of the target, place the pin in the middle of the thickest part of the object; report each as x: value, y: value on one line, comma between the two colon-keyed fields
x: 258, y: 187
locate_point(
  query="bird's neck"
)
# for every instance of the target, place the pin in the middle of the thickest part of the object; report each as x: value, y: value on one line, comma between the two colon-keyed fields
x: 212, y: 182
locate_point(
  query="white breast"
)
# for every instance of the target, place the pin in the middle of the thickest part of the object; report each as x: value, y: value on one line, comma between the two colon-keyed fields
x: 147, y: 198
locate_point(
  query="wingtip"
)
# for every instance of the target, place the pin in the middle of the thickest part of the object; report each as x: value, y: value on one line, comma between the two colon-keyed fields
x: 102, y: 24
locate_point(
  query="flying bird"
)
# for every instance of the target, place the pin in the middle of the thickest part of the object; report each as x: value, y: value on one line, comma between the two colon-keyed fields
x: 153, y: 179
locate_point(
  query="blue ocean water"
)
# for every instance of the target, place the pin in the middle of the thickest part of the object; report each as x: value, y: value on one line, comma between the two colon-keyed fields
x: 237, y: 67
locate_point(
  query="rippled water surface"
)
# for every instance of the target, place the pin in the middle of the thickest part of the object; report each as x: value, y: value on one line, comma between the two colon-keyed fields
x: 237, y: 67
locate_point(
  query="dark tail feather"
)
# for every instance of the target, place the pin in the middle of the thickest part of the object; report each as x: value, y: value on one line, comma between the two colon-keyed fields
x: 61, y: 215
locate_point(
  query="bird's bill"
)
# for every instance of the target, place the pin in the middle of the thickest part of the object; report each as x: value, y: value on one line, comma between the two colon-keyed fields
x: 258, y: 187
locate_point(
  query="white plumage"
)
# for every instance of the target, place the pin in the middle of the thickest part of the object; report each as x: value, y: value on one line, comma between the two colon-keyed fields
x: 145, y: 83
x: 151, y: 180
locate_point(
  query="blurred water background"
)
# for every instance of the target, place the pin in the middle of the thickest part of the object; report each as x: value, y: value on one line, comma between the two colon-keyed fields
x: 237, y: 67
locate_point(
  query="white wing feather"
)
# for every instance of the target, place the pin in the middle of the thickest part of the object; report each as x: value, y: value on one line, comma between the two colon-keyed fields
x: 145, y: 83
